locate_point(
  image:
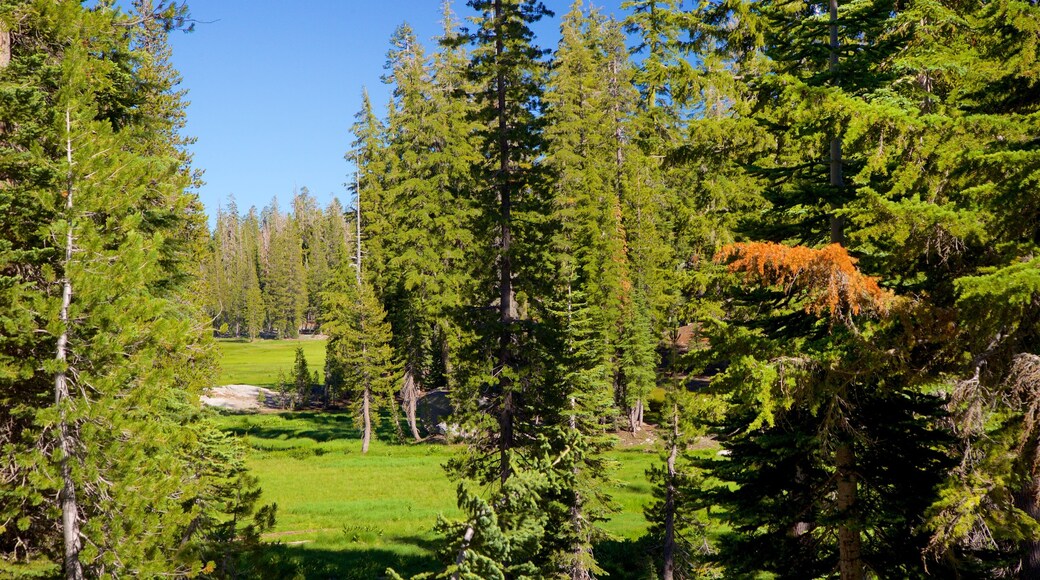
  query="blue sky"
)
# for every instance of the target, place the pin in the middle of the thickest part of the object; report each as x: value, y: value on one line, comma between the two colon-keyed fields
x: 274, y: 87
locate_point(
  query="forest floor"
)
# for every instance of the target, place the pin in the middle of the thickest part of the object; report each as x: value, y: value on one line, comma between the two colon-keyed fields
x: 342, y: 514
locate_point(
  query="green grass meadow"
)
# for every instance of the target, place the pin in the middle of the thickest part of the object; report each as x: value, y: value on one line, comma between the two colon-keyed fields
x: 259, y: 362
x: 342, y: 514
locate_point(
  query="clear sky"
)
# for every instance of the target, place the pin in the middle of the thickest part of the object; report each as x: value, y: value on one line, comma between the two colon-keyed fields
x: 274, y: 87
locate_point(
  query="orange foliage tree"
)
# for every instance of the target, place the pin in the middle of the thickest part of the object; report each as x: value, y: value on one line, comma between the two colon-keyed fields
x: 828, y: 277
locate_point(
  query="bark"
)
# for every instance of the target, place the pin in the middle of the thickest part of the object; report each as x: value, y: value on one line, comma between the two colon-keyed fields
x: 635, y: 416
x: 366, y: 435
x: 670, y: 491
x: 461, y: 556
x: 396, y: 418
x: 357, y: 220
x: 66, y: 439
x: 410, y: 399
x: 5, y: 46
x: 449, y: 368
x: 505, y: 418
x: 1028, y: 500
x: 837, y: 223
x: 849, y: 540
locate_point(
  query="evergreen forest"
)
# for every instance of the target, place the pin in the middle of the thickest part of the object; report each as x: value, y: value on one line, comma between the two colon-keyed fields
x: 803, y: 233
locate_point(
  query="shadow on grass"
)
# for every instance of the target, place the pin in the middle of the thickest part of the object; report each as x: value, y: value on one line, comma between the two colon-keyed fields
x: 279, y: 561
x: 319, y: 426
x: 629, y: 559
x: 626, y: 559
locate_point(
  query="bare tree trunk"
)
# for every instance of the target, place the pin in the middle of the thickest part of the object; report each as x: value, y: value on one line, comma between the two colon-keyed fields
x: 449, y: 368
x: 633, y: 419
x: 505, y: 418
x: 461, y: 556
x: 396, y: 418
x: 639, y: 413
x: 366, y: 435
x: 669, y: 500
x: 837, y: 223
x: 5, y: 46
x: 849, y: 541
x: 578, y: 569
x: 410, y: 397
x: 1028, y: 500
x: 66, y: 439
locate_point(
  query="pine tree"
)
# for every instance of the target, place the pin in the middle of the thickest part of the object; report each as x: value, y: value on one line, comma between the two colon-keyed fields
x: 809, y: 379
x: 376, y: 205
x: 581, y: 152
x: 284, y: 276
x: 100, y: 385
x: 505, y: 398
x: 590, y: 295
x: 972, y: 69
x: 423, y: 281
x: 301, y: 378
x: 359, y: 346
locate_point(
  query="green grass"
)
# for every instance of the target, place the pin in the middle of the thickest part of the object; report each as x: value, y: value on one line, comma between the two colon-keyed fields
x: 342, y: 514
x: 346, y: 515
x: 260, y: 361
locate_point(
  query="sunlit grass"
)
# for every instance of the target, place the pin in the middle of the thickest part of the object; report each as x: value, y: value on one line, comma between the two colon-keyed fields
x: 259, y: 362
x: 341, y: 512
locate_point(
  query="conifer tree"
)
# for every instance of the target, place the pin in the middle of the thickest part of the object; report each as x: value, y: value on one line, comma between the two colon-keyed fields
x: 359, y: 346
x: 592, y: 264
x: 376, y: 205
x: 100, y: 384
x: 423, y: 282
x: 808, y: 377
x: 581, y: 153
x: 978, y: 228
x: 283, y: 272
x: 505, y: 397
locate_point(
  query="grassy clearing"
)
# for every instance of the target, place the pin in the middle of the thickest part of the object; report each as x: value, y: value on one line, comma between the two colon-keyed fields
x: 347, y: 515
x: 342, y: 514
x: 260, y: 361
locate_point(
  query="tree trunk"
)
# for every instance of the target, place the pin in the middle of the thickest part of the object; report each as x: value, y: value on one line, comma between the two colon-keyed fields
x: 849, y: 541
x: 578, y: 569
x: 410, y: 398
x: 1028, y: 500
x: 837, y: 223
x: 5, y: 46
x: 461, y: 556
x: 366, y: 416
x: 449, y: 368
x: 505, y: 418
x: 66, y: 439
x: 669, y: 500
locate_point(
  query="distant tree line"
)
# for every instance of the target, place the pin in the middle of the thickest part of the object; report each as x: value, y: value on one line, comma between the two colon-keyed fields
x: 263, y: 273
